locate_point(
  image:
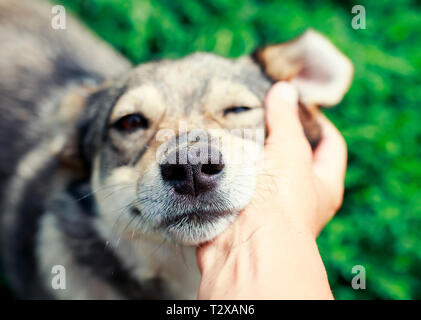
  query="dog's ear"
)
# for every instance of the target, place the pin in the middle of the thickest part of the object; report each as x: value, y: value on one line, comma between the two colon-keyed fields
x: 66, y: 121
x: 320, y: 71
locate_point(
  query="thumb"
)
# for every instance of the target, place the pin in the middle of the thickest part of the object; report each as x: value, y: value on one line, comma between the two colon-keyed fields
x: 285, y: 132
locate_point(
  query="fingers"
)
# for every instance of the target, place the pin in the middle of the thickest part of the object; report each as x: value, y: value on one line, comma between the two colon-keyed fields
x: 285, y: 132
x: 329, y: 167
x: 330, y: 156
x: 202, y: 253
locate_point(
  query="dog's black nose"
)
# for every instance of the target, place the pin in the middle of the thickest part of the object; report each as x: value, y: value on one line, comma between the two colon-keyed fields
x: 195, y: 176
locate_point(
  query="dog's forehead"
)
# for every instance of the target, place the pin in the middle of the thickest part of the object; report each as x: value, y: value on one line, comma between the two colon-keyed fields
x: 191, y: 76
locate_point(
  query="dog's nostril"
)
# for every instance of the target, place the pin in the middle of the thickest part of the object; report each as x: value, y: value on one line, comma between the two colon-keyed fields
x: 211, y: 169
x: 173, y: 171
x: 135, y: 211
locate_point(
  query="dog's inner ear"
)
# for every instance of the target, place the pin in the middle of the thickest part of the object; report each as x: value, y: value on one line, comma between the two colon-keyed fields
x: 321, y: 73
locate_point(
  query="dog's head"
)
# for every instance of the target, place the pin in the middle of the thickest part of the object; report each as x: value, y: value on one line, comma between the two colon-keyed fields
x: 174, y: 145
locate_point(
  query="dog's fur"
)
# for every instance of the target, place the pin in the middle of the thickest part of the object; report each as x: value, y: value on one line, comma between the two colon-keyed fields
x: 77, y: 192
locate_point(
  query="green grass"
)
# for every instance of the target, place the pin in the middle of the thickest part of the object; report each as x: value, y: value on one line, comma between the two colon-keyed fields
x: 379, y: 225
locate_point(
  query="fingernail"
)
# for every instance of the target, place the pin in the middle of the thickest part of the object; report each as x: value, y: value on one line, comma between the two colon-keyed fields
x: 287, y: 92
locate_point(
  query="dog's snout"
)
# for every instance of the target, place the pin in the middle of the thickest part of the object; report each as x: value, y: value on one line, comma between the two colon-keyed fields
x: 195, y: 176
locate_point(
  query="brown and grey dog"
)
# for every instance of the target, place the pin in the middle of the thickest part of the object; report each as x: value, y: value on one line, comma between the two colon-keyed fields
x: 85, y: 177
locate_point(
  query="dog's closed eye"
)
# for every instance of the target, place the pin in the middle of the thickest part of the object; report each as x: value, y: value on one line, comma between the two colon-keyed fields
x: 131, y: 122
x: 236, y: 110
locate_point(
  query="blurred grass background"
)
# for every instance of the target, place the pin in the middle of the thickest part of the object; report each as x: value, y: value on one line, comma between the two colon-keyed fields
x: 379, y: 225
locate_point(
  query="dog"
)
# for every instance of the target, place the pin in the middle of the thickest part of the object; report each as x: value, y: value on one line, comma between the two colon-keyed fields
x: 90, y: 173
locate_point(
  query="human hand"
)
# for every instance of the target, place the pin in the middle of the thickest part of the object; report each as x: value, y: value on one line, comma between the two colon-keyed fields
x: 270, y: 250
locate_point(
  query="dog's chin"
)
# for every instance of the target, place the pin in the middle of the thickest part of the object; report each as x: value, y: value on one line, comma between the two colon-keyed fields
x: 197, y: 227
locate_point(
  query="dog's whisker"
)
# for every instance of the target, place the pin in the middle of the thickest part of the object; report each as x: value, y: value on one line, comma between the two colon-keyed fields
x: 91, y: 193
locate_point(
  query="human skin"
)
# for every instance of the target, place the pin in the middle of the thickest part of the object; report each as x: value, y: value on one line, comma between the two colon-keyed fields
x: 270, y: 251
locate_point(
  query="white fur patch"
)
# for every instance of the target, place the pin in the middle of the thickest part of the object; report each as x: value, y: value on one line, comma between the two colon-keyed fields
x: 80, y: 282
